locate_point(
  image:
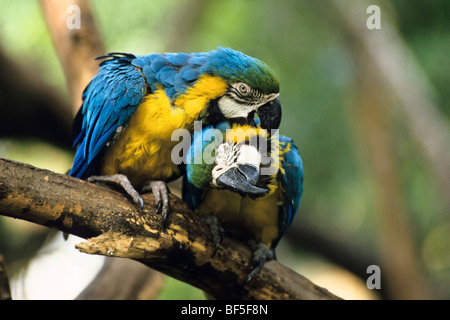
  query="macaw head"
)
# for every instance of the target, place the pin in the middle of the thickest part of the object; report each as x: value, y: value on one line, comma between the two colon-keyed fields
x: 252, y: 88
x: 251, y: 85
x: 236, y: 160
x: 234, y: 171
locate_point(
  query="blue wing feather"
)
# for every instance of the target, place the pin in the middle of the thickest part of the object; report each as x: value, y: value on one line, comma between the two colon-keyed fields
x: 291, y: 182
x: 108, y: 101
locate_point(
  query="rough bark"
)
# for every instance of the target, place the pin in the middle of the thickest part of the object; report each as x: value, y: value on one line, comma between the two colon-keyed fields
x: 114, y: 226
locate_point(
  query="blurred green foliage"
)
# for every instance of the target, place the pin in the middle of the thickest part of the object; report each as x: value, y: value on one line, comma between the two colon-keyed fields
x: 309, y: 51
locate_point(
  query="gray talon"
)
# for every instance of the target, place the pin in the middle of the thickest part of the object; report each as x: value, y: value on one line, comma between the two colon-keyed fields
x: 261, y: 254
x: 161, y: 193
x: 216, y: 230
x: 122, y: 181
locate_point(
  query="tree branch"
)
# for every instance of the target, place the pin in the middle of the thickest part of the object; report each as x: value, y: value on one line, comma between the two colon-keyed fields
x: 115, y: 227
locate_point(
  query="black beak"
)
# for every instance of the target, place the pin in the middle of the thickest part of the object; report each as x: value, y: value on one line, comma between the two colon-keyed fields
x: 234, y: 180
x: 270, y: 114
x: 250, y: 172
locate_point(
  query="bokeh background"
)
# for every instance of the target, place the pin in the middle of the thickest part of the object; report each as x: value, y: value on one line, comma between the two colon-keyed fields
x: 368, y: 109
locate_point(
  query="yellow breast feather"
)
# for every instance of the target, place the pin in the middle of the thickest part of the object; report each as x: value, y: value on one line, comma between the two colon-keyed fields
x: 143, y: 149
x: 158, y: 116
x: 247, y: 217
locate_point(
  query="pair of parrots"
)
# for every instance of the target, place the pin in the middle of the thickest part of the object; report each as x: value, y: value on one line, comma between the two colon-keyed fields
x: 133, y: 105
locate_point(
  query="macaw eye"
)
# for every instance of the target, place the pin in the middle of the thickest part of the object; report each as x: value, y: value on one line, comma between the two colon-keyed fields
x: 244, y: 88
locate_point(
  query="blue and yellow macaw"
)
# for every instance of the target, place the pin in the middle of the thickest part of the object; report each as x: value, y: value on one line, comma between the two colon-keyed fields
x: 131, y: 107
x: 248, y: 202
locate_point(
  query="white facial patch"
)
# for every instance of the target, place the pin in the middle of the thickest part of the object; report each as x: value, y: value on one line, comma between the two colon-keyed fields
x: 248, y: 154
x: 226, y: 156
x: 231, y: 109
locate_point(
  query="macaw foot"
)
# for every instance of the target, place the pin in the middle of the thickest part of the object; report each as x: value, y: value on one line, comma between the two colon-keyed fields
x: 261, y: 254
x: 216, y: 230
x: 161, y: 193
x: 121, y: 180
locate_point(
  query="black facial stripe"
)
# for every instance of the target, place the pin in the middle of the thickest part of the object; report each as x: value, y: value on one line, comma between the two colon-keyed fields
x: 258, y: 95
x: 248, y: 100
x: 235, y: 93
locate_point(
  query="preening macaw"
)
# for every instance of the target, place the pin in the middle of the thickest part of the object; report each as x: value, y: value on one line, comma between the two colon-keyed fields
x: 131, y: 107
x: 252, y: 188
